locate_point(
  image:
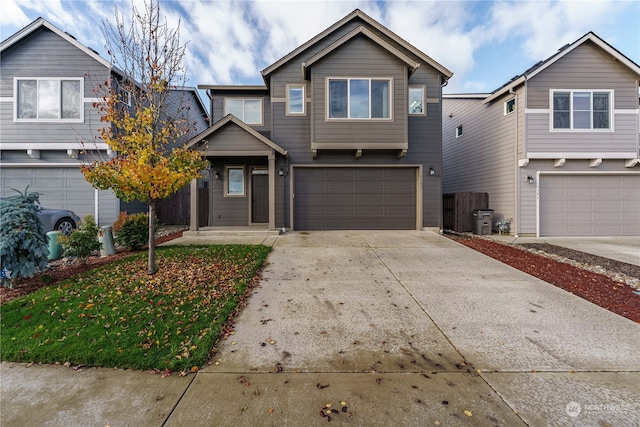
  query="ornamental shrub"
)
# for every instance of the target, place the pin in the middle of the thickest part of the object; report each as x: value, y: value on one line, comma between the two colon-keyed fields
x: 132, y: 231
x: 83, y: 241
x: 24, y: 246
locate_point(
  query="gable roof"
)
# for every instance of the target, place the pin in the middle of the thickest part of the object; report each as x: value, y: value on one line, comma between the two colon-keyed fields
x: 542, y: 65
x: 357, y: 13
x: 342, y: 40
x: 43, y: 23
x: 230, y: 118
x: 175, y: 93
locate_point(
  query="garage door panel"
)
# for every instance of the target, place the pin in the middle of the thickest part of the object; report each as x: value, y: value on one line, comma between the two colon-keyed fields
x: 354, y: 198
x: 593, y: 205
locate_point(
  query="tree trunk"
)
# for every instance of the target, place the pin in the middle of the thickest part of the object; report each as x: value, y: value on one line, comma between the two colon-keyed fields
x: 151, y: 266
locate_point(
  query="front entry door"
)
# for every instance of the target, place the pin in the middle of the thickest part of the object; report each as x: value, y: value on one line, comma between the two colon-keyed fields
x: 259, y: 196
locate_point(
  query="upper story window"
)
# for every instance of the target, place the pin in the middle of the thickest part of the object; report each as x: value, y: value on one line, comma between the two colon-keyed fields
x: 510, y: 106
x: 247, y: 110
x: 48, y: 99
x: 359, y: 98
x: 582, y: 109
x: 295, y: 100
x: 416, y: 100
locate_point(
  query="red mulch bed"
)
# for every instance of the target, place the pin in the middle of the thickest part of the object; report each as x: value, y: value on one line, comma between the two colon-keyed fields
x: 596, y: 288
x: 60, y: 272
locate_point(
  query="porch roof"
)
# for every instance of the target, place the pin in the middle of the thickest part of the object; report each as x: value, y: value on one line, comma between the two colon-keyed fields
x: 195, y: 142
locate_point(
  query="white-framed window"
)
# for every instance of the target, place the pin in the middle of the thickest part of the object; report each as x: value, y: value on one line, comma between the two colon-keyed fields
x: 359, y: 98
x: 416, y: 100
x: 295, y: 100
x: 459, y: 131
x: 234, y: 183
x: 581, y: 109
x: 48, y: 99
x: 247, y: 110
x: 509, y: 106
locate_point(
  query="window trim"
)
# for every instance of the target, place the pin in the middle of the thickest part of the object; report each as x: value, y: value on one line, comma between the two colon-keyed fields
x: 459, y: 131
x: 611, y: 127
x: 506, y: 104
x: 304, y: 101
x: 225, y: 181
x: 261, y: 123
x: 48, y: 120
x: 423, y: 89
x: 359, y: 119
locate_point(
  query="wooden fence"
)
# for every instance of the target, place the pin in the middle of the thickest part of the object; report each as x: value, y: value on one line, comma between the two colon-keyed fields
x: 176, y: 210
x: 457, y: 210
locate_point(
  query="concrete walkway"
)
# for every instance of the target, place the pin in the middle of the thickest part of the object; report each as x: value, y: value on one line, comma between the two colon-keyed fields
x: 404, y: 328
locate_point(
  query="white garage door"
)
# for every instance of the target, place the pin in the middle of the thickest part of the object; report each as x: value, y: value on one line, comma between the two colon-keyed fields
x: 590, y: 205
x: 63, y: 188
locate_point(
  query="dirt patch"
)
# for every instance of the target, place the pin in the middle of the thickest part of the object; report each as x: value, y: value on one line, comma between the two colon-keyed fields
x: 596, y: 288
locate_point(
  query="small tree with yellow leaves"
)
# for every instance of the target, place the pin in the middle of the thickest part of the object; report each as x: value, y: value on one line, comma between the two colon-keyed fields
x: 144, y: 131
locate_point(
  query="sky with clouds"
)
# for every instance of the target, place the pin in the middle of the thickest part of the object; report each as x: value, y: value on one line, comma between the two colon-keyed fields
x: 484, y: 43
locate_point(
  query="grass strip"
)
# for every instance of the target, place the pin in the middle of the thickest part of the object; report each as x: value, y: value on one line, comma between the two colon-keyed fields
x: 119, y: 316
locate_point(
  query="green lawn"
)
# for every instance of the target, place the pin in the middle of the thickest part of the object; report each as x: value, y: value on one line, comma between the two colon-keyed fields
x: 118, y: 316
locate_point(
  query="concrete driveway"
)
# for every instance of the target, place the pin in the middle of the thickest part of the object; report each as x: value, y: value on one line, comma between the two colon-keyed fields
x: 404, y: 328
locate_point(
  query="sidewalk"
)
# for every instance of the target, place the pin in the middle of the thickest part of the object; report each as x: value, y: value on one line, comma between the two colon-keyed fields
x: 405, y: 328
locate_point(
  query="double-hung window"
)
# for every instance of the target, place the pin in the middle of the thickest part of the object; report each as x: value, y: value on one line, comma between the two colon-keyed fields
x: 360, y: 98
x: 48, y: 99
x: 582, y: 109
x: 247, y: 110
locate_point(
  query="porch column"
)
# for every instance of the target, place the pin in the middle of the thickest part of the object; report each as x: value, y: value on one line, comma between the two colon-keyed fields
x: 193, y: 223
x: 272, y: 190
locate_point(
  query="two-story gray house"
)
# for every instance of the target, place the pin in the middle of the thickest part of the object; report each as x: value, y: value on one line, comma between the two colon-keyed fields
x: 47, y: 91
x: 345, y: 133
x: 556, y: 148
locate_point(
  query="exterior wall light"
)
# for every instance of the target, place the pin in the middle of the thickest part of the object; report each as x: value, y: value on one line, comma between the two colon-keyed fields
x: 432, y: 171
x: 530, y: 179
x: 217, y: 175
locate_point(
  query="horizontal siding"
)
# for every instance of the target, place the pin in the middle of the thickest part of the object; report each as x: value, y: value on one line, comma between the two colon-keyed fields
x: 232, y: 138
x: 45, y: 54
x: 623, y: 139
x: 483, y: 158
x: 360, y: 57
x: 586, y: 67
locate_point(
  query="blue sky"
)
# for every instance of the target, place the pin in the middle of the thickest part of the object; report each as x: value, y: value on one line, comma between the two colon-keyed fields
x: 484, y: 43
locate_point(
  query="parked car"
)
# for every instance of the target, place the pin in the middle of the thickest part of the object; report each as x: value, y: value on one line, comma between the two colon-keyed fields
x: 55, y: 219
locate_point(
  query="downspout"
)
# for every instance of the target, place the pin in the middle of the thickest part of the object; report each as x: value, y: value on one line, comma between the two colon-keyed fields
x: 517, y: 167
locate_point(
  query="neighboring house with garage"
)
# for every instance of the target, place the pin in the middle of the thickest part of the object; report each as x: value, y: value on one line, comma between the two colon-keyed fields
x: 556, y: 148
x: 47, y: 82
x: 345, y: 133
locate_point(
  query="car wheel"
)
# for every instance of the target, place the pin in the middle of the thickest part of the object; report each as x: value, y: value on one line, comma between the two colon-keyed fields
x: 65, y: 225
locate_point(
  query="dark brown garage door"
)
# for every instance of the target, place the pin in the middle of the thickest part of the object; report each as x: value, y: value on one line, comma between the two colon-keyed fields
x: 354, y: 198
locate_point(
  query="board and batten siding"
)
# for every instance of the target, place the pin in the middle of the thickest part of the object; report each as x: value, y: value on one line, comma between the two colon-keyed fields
x: 359, y: 57
x: 586, y: 67
x: 483, y: 158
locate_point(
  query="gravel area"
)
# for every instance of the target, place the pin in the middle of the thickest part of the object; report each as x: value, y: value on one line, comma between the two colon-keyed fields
x: 617, y: 270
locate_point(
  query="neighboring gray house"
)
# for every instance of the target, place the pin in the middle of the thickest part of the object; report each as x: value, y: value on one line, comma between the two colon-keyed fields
x: 344, y: 134
x: 47, y: 82
x: 556, y: 148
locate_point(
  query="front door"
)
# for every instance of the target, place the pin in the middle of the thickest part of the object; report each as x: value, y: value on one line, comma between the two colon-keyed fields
x: 260, y: 196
